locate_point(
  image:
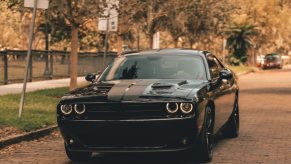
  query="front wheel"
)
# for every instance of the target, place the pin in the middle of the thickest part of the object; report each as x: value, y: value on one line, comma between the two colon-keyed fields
x: 77, y: 156
x: 232, y: 128
x: 204, y: 149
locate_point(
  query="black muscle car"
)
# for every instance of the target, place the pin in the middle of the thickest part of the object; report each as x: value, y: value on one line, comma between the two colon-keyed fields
x: 152, y: 101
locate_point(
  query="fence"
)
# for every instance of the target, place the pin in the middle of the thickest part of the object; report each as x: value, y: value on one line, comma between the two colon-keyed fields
x: 48, y: 64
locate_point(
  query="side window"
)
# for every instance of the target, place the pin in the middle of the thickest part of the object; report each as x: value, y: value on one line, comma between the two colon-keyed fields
x: 214, y: 66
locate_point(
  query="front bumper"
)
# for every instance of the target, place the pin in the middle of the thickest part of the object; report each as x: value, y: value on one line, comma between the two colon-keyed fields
x: 147, y: 135
x: 271, y: 65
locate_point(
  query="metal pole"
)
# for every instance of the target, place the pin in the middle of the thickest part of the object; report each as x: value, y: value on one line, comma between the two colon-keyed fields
x: 28, y: 60
x: 46, y: 70
x: 106, y: 40
x: 223, y: 50
x: 69, y: 63
x: 5, y: 67
x: 52, y: 64
x: 138, y: 38
x: 29, y: 78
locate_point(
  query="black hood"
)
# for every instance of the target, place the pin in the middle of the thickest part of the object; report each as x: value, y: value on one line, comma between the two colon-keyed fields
x: 137, y: 90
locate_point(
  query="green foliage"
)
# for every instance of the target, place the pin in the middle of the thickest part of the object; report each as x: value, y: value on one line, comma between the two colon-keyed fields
x: 15, y: 4
x: 148, y: 15
x: 232, y: 60
x: 39, y: 110
x: 77, y: 12
x: 241, y: 68
x: 173, y: 21
x: 239, y: 41
x: 65, y: 14
x: 205, y: 18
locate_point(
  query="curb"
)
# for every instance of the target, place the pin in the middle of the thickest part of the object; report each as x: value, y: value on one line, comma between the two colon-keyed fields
x: 245, y: 73
x: 26, y: 136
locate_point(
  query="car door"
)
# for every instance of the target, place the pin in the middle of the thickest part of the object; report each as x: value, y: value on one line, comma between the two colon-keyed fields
x: 222, y: 92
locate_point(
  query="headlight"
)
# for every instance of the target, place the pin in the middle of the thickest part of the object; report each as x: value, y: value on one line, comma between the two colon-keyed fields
x: 186, y: 108
x: 80, y: 108
x: 66, y: 109
x: 172, y: 107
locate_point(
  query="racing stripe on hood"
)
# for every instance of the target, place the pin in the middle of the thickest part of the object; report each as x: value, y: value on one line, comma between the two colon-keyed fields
x: 119, y: 89
x: 132, y: 90
x: 136, y: 90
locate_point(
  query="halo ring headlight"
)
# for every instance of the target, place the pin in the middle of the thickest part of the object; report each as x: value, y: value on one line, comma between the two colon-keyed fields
x: 66, y: 109
x: 186, y: 108
x: 80, y: 108
x: 172, y: 107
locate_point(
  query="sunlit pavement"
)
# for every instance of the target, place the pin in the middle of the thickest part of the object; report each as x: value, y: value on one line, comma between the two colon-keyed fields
x: 265, y: 134
x: 37, y: 85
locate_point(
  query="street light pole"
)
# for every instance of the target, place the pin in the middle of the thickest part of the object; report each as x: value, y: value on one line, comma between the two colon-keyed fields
x: 106, y: 40
x: 46, y: 70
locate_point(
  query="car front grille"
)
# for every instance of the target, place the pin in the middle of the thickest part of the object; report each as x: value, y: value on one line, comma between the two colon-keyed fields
x: 125, y: 111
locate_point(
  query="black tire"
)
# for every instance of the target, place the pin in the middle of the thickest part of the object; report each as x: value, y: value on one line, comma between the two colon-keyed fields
x: 77, y: 156
x: 203, y: 150
x: 232, y: 128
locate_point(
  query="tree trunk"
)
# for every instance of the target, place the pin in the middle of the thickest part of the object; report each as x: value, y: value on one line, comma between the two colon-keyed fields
x: 74, y: 58
x: 119, y: 44
x: 190, y: 44
x: 151, y: 41
x: 175, y: 43
x: 138, y: 38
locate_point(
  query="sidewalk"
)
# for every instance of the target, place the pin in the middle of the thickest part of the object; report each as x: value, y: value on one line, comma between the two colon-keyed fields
x: 287, y: 66
x: 33, y: 86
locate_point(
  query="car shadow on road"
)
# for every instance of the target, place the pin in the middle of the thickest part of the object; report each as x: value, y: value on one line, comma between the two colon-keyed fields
x: 137, y: 158
x: 146, y: 158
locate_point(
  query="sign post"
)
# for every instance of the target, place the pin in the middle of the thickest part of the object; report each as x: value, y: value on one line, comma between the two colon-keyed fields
x: 106, y: 41
x: 43, y: 4
x: 108, y: 23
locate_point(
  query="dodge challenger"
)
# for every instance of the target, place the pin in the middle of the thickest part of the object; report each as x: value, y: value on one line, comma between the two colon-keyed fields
x: 165, y: 100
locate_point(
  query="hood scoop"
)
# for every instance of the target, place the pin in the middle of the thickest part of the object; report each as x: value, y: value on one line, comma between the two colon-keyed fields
x: 102, y: 89
x: 162, y: 86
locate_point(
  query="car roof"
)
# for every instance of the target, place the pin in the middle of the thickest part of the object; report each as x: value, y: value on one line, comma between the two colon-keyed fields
x: 166, y: 51
x: 273, y: 54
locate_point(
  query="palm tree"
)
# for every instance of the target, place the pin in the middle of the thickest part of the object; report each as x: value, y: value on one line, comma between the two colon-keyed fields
x: 239, y: 40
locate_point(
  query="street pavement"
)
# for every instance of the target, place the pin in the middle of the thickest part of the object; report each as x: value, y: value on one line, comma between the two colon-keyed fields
x: 265, y: 134
x: 33, y: 86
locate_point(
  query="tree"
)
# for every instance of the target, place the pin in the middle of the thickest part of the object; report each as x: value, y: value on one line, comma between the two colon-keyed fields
x: 239, y: 40
x: 148, y: 14
x: 206, y: 18
x: 173, y: 22
x: 76, y: 13
x: 9, y: 25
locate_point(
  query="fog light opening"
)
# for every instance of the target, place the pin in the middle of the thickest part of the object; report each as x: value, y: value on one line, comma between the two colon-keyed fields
x: 66, y: 109
x: 185, y: 141
x: 80, y: 108
x: 172, y: 107
x: 186, y: 108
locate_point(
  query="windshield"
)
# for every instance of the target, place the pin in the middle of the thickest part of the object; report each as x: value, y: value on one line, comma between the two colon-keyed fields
x: 272, y: 57
x: 155, y: 67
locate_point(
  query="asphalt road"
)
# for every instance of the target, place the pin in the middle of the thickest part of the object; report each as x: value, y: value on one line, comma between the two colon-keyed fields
x: 265, y: 134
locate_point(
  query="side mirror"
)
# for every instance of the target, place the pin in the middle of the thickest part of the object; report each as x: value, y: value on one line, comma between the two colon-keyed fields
x: 90, y: 77
x: 225, y: 74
